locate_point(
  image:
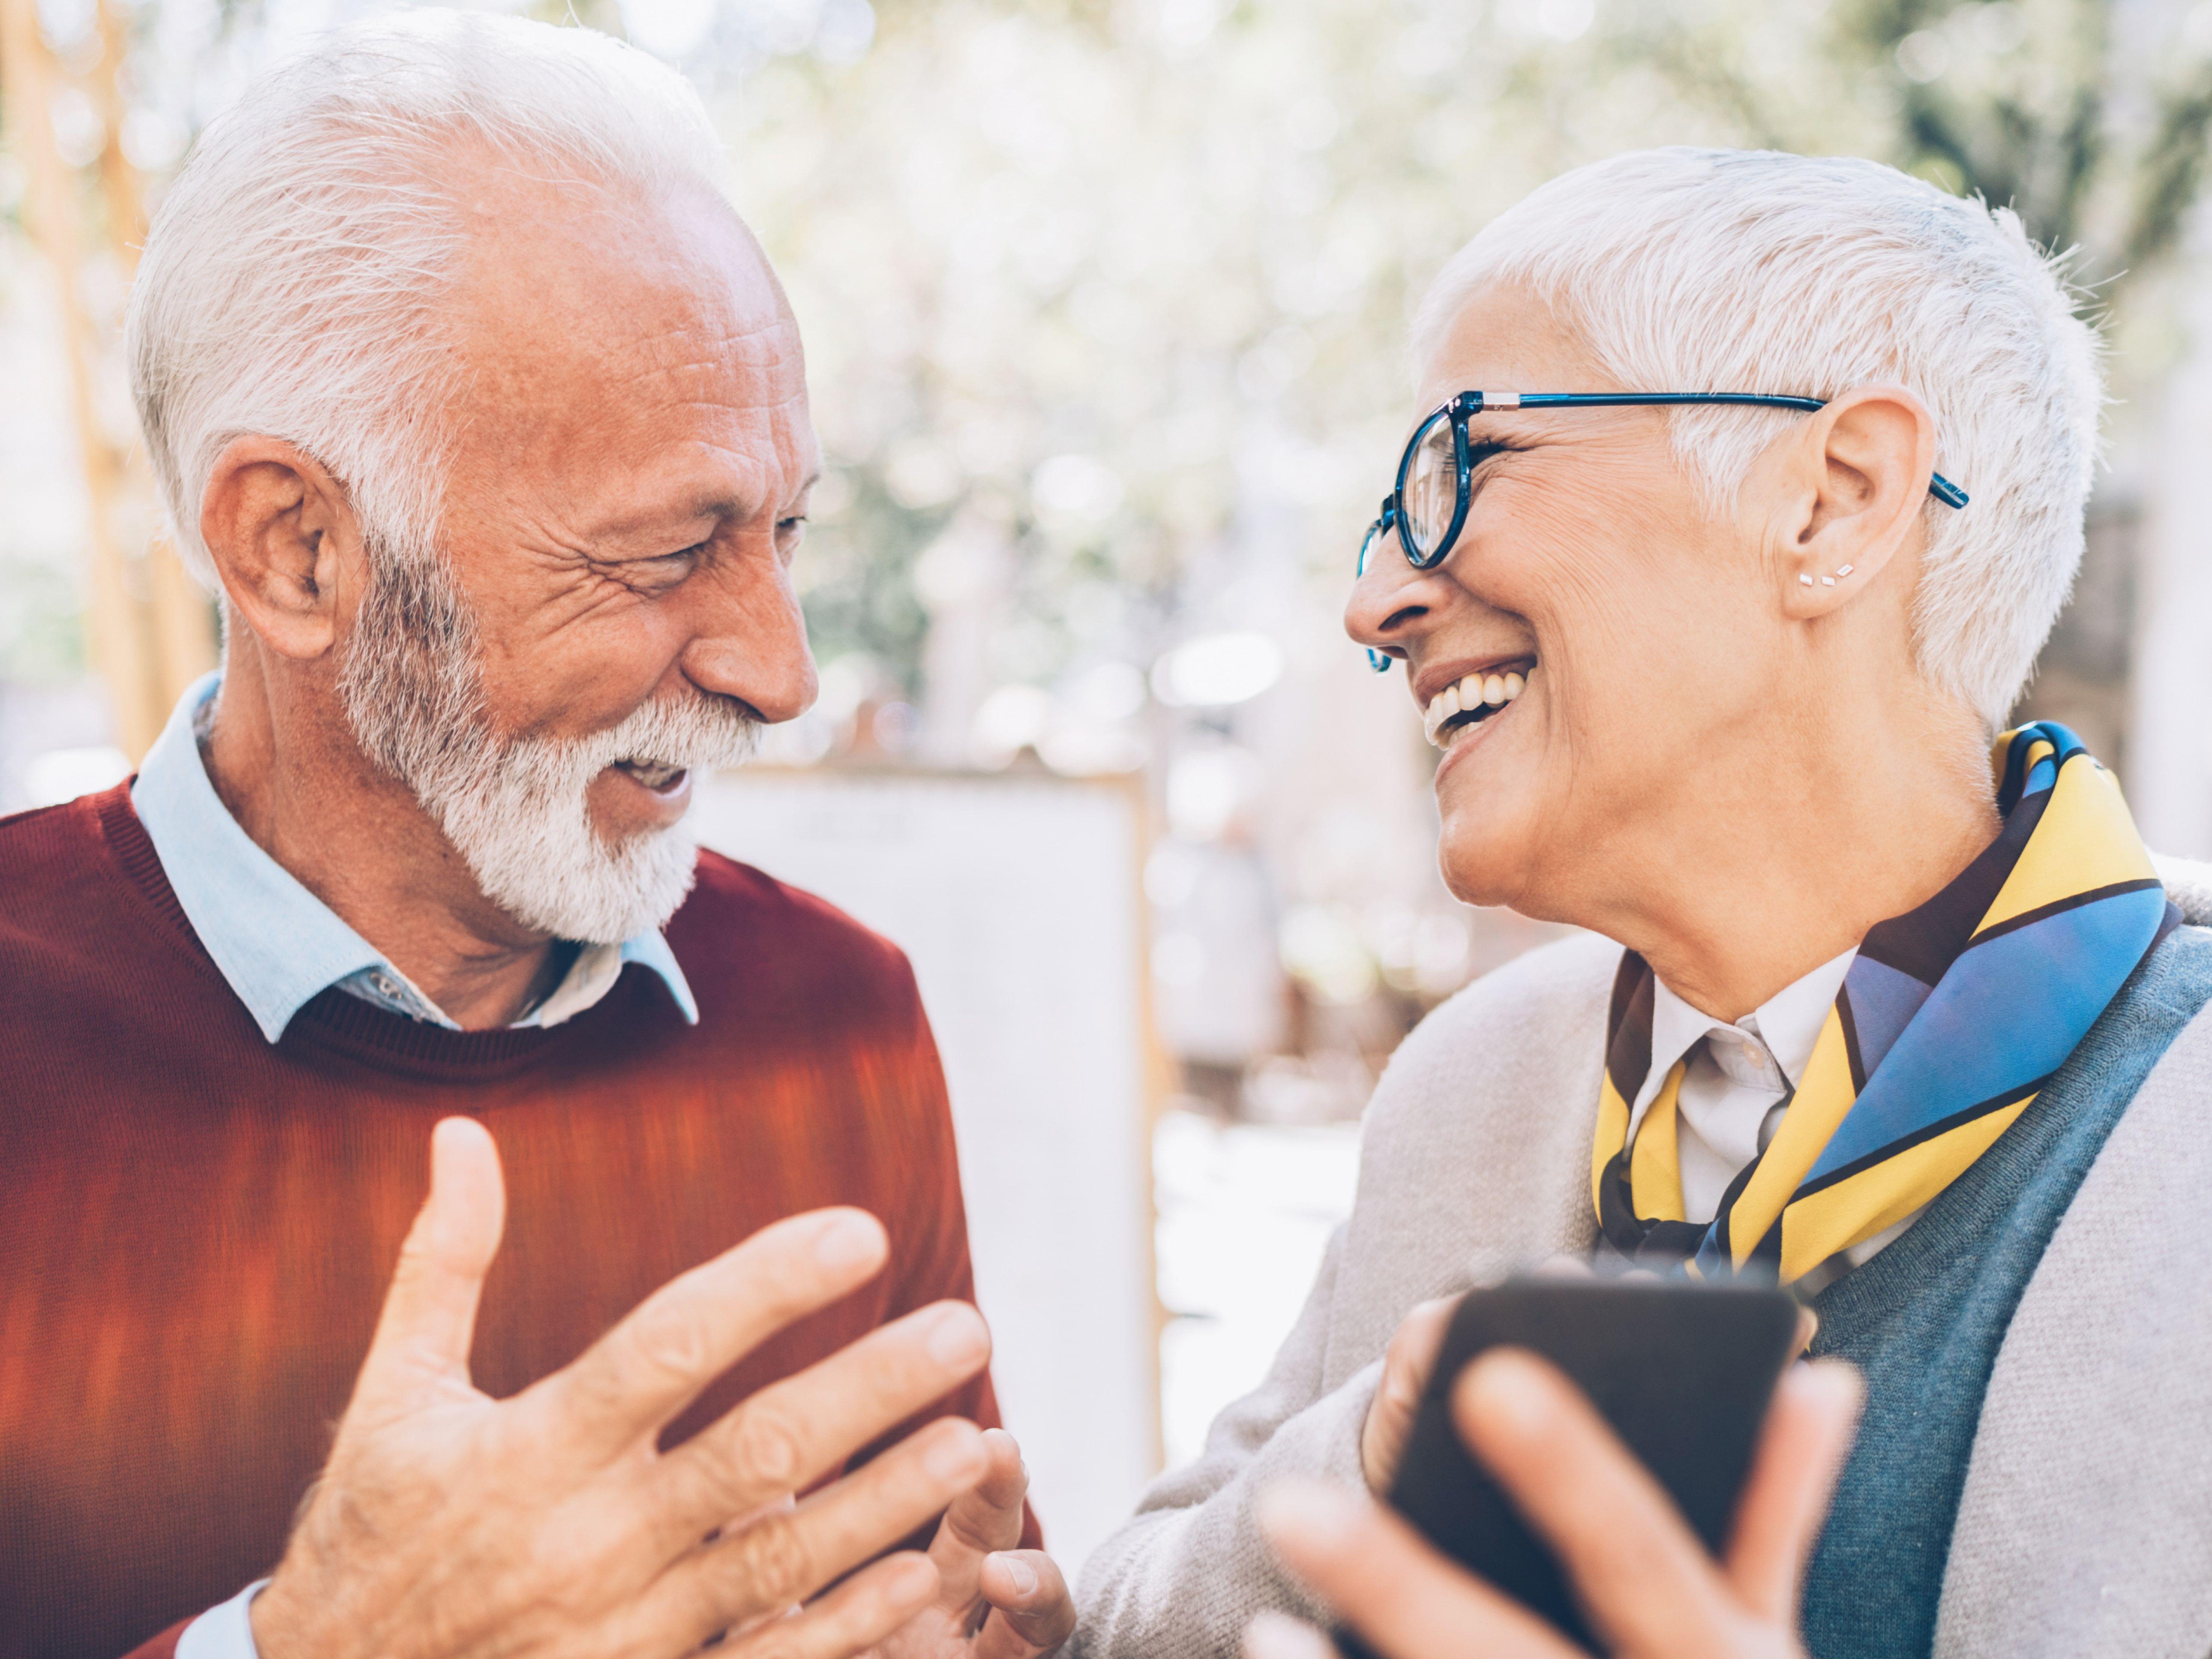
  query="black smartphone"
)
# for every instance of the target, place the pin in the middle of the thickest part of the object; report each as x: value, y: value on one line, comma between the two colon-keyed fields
x: 1683, y: 1372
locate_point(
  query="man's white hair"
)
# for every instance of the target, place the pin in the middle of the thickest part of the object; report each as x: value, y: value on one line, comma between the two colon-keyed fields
x: 1731, y: 270
x: 296, y: 276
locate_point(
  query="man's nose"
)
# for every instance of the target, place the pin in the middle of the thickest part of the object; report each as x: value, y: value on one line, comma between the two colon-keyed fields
x: 751, y: 645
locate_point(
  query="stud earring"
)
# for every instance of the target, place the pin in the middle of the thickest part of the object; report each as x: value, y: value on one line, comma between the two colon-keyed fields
x: 1804, y: 580
x: 1827, y: 581
x: 1842, y: 570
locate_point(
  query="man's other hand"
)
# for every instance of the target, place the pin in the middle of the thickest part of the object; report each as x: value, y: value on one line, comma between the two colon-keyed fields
x: 993, y: 1601
x: 449, y: 1524
x: 1645, y: 1582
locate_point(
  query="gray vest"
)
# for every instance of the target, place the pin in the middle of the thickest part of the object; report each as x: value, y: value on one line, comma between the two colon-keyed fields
x: 1923, y: 1321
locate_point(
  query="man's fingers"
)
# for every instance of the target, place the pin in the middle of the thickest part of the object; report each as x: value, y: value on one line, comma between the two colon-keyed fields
x: 859, y: 1613
x: 784, y: 1437
x: 986, y: 1517
x: 1031, y: 1612
x: 1389, y: 1584
x: 429, y: 1314
x: 1407, y: 1363
x: 644, y: 1370
x: 785, y: 1557
x: 1801, y: 1449
x: 1643, y: 1577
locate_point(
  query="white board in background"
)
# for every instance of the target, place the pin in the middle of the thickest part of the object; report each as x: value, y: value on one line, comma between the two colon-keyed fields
x: 1017, y: 898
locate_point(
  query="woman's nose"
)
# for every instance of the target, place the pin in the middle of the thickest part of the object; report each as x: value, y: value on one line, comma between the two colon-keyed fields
x: 1389, y: 601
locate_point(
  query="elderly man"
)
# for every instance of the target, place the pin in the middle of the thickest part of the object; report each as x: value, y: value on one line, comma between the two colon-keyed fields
x: 488, y: 420
x: 1873, y: 998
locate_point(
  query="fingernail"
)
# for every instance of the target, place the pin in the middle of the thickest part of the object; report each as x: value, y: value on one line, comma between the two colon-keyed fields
x: 1278, y: 1636
x: 957, y: 1337
x: 1021, y: 1572
x: 1508, y: 1391
x: 1308, y: 1511
x: 953, y: 1457
x: 846, y: 1242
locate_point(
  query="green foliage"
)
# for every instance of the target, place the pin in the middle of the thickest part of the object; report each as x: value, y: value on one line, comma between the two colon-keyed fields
x: 2098, y: 142
x: 1181, y: 239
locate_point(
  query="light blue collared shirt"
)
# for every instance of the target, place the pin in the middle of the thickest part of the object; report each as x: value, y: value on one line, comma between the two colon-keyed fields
x: 276, y: 942
x: 280, y: 946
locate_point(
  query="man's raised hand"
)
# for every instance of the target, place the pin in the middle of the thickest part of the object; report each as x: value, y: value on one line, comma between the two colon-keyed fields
x: 447, y: 1524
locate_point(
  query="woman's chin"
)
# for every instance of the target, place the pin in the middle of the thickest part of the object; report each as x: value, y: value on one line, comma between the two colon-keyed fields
x: 1483, y: 847
x: 1481, y: 863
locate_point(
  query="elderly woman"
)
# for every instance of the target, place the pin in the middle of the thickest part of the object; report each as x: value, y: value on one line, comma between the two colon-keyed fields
x: 1745, y: 489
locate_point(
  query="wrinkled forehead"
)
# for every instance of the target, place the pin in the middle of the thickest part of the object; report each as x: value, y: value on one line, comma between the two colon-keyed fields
x: 572, y: 291
x: 1505, y: 337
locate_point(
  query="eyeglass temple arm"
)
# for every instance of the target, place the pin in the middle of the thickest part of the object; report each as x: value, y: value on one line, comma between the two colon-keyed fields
x: 1938, y: 486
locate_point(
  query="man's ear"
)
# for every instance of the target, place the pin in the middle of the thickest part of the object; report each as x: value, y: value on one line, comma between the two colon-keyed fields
x: 1846, y: 494
x: 281, y: 531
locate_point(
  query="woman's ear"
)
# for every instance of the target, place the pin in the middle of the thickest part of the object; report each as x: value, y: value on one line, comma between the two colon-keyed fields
x: 281, y: 531
x: 1846, y: 495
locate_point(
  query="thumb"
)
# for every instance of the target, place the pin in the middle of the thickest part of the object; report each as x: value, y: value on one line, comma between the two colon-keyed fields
x: 1031, y: 1613
x: 1407, y: 1366
x: 429, y: 1314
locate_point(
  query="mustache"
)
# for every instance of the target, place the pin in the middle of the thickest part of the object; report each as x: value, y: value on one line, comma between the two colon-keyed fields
x: 697, y: 731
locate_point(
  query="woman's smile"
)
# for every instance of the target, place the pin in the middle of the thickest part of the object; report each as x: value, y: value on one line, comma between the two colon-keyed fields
x: 1471, y: 699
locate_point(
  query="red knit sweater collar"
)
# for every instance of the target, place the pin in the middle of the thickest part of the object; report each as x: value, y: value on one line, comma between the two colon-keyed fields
x: 359, y: 1030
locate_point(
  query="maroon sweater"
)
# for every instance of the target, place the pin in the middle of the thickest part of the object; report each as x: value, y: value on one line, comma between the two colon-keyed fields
x: 197, y: 1226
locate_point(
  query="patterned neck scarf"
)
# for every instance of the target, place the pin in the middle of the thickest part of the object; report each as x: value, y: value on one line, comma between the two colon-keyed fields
x: 1951, y: 1019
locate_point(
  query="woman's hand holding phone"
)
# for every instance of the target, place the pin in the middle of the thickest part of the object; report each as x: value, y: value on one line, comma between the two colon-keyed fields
x: 1646, y: 1583
x: 1407, y: 1365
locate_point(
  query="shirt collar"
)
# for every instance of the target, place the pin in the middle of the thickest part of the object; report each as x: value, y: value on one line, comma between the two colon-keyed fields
x: 1787, y: 1025
x: 278, y: 944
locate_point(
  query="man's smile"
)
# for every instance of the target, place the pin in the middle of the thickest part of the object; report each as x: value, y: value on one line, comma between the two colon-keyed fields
x: 646, y: 795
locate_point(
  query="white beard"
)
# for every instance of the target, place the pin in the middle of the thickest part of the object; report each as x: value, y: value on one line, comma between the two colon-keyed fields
x: 515, y: 809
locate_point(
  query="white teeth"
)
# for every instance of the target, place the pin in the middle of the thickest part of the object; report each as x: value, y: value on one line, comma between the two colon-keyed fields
x: 1464, y: 696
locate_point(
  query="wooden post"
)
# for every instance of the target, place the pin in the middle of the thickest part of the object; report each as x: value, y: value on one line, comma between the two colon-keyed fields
x: 148, y: 635
x: 180, y: 626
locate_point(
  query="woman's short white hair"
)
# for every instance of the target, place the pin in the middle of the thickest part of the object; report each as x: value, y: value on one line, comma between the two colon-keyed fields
x: 295, y: 277
x: 1732, y: 270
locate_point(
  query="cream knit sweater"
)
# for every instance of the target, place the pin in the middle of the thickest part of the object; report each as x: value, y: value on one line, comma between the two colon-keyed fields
x: 2085, y: 1527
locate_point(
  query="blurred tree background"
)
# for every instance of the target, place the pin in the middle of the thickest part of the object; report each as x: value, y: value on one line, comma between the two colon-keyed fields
x: 1114, y: 278
x: 1104, y: 303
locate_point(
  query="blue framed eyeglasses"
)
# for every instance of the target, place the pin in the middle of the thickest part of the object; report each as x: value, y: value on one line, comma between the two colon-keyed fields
x: 1427, y: 507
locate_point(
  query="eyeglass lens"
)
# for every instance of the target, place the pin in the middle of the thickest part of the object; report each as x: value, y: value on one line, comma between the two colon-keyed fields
x: 1367, y: 546
x: 1431, y: 493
